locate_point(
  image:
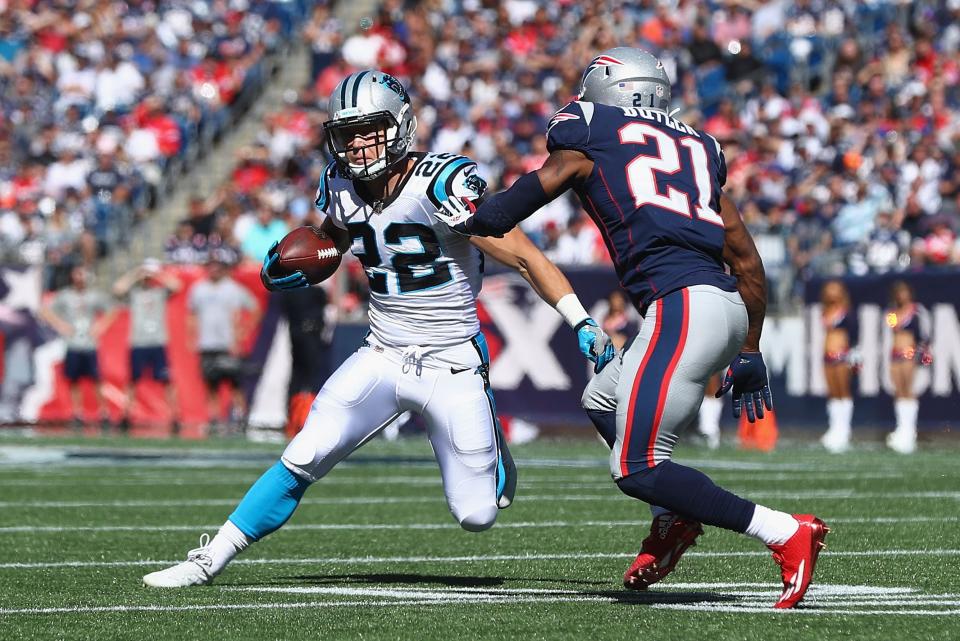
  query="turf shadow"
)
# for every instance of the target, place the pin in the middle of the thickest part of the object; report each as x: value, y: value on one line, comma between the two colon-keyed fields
x: 623, y: 597
x: 400, y: 578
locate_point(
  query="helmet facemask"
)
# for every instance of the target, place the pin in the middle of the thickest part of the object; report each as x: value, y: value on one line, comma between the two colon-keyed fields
x: 365, y: 146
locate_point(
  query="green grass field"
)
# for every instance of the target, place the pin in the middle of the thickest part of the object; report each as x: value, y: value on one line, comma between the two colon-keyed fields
x: 373, y: 553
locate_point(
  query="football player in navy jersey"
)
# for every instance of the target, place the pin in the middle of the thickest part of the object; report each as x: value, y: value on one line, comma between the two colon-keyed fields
x: 654, y: 187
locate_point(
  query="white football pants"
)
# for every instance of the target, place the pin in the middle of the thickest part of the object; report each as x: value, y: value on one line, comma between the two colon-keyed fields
x: 447, y: 386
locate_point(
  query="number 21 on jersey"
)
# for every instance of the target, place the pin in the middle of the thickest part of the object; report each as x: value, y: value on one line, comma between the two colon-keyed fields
x: 643, y: 169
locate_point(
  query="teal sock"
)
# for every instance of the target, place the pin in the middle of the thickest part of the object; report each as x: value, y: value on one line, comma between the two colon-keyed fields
x: 270, y: 502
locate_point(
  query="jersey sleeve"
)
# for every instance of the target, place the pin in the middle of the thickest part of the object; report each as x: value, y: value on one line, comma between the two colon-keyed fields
x: 456, y: 178
x: 570, y: 128
x: 323, y: 199
x: 721, y: 161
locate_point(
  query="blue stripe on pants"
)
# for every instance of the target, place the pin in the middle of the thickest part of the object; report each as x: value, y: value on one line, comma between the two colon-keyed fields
x: 644, y: 420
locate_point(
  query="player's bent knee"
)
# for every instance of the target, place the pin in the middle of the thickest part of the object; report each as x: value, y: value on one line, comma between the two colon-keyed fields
x: 313, y: 451
x: 479, y: 520
x: 640, y: 485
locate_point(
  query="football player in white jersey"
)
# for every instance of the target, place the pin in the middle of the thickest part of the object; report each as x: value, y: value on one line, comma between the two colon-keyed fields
x: 424, y: 352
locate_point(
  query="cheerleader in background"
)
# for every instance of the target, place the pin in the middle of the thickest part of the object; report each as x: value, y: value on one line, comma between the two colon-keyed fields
x: 910, y: 325
x: 840, y: 336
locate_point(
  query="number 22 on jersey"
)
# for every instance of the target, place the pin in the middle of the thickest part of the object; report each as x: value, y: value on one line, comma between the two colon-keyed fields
x: 643, y: 169
x: 415, y: 270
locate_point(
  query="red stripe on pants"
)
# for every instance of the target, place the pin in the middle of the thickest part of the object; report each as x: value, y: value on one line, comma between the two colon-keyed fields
x: 665, y: 383
x: 625, y: 446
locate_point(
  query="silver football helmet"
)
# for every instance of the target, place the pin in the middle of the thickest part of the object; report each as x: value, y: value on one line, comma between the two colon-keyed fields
x: 626, y: 77
x: 373, y: 105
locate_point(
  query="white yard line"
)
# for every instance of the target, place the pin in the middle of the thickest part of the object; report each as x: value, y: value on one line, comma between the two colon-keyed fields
x: 822, y: 599
x: 840, y: 493
x: 40, y: 529
x: 18, y: 457
x: 374, y: 560
x: 178, y: 478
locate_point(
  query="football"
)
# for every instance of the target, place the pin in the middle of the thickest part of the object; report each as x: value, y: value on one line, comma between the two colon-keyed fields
x: 309, y: 250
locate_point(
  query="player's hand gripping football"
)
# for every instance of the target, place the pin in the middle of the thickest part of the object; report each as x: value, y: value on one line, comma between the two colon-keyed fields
x: 747, y: 375
x: 595, y: 344
x: 296, y: 280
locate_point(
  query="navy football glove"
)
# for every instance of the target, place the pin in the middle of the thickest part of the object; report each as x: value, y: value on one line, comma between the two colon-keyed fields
x: 747, y: 375
x: 296, y: 280
x: 595, y: 344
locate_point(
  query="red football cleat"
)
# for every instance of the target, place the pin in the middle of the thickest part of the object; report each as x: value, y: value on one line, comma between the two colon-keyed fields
x: 670, y: 536
x: 797, y: 558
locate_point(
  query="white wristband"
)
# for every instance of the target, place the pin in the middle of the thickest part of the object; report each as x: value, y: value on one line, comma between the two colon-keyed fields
x: 572, y: 310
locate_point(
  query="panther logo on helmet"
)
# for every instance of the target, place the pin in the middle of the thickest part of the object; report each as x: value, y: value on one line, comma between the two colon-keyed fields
x: 392, y: 83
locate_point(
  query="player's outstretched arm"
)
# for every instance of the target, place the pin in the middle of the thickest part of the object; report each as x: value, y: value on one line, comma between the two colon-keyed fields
x: 747, y: 374
x: 500, y: 213
x: 515, y: 250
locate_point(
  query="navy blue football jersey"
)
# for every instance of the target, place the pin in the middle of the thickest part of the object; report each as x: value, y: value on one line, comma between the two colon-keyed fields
x: 654, y: 193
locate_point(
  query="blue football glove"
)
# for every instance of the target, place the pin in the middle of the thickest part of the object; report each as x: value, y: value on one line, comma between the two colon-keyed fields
x: 595, y: 344
x: 296, y: 280
x: 747, y: 375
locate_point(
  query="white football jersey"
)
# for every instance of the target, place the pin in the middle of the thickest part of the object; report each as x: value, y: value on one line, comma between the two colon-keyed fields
x: 424, y: 277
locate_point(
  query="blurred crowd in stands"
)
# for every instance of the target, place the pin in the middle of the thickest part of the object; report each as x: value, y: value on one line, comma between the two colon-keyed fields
x: 840, y: 121
x: 105, y: 104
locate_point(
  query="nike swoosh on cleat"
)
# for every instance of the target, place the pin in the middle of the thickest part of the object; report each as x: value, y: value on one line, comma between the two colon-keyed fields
x: 455, y: 370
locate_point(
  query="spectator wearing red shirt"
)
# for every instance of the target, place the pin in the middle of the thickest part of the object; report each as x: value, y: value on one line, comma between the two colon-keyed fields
x: 150, y: 115
x: 252, y: 171
x: 216, y: 75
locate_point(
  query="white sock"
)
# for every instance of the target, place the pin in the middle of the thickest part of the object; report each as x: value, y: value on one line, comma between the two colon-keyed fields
x: 710, y: 411
x: 846, y: 414
x: 833, y: 414
x: 772, y: 527
x: 906, y: 410
x: 656, y: 510
x: 228, y: 543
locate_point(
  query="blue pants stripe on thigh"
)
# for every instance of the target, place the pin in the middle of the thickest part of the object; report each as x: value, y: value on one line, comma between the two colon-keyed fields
x: 649, y: 391
x: 479, y: 343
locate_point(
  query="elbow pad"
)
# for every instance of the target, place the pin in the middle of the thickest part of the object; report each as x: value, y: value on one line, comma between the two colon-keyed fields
x: 502, y: 212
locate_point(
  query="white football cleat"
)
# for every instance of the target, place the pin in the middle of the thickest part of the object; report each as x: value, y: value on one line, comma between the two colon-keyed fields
x: 194, y: 571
